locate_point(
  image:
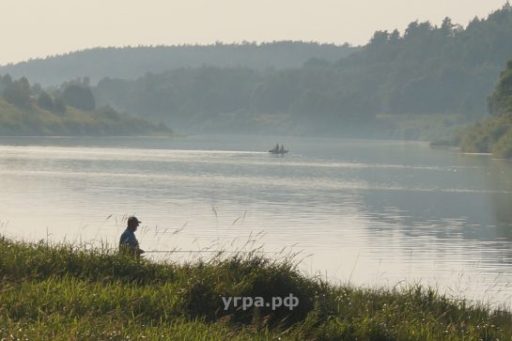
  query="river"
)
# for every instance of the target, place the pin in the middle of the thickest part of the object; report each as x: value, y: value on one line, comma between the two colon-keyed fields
x: 369, y: 213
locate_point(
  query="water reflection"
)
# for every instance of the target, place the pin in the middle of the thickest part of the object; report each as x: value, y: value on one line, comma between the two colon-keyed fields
x: 499, y: 176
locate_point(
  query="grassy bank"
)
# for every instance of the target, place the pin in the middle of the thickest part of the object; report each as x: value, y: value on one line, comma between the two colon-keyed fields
x: 35, y: 121
x: 62, y: 292
x: 493, y: 135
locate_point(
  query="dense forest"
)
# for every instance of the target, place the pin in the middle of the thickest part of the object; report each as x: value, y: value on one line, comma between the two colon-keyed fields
x: 68, y: 110
x: 133, y: 62
x: 494, y: 135
x: 442, y: 73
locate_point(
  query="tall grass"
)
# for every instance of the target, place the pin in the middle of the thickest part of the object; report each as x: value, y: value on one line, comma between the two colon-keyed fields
x: 64, y: 292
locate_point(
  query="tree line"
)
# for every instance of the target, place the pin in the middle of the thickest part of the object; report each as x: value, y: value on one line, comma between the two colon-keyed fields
x: 76, y: 93
x: 133, y: 62
x: 70, y: 109
x: 427, y: 70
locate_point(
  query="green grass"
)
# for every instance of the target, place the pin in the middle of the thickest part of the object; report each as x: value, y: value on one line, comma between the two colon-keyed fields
x: 63, y: 293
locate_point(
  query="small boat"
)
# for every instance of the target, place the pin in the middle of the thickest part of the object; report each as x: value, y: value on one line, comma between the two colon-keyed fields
x: 279, y: 150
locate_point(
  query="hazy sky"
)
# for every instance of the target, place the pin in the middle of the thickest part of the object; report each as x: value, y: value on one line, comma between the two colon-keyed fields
x: 36, y: 28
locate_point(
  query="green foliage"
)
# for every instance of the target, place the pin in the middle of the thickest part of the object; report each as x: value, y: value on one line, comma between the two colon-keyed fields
x: 486, y: 135
x: 5, y: 81
x: 21, y: 114
x: 45, y: 101
x: 59, y: 106
x: 64, y: 292
x: 501, y: 100
x: 17, y: 92
x: 494, y: 135
x: 79, y: 96
x: 503, y: 148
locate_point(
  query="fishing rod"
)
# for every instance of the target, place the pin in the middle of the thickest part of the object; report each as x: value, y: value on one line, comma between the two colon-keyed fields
x: 205, y: 251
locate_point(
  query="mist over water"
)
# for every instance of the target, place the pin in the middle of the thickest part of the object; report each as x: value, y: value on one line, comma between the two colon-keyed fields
x: 372, y: 213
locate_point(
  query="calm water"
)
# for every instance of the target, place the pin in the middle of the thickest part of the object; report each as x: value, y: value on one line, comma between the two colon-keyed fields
x: 372, y: 213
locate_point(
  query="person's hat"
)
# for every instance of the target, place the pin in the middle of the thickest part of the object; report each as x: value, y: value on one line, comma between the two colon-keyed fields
x: 133, y: 219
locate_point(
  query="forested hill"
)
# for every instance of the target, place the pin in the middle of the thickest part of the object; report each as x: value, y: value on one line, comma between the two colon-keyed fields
x: 423, y: 72
x: 69, y: 111
x: 432, y: 69
x: 133, y: 62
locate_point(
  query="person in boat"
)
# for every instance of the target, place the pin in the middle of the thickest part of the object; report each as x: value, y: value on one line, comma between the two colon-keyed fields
x: 128, y: 243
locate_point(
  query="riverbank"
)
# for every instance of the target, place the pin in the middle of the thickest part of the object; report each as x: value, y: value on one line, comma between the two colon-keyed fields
x: 64, y: 292
x: 493, y: 135
x: 35, y: 121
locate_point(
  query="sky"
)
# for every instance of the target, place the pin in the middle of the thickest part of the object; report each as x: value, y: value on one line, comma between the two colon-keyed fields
x: 35, y: 28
